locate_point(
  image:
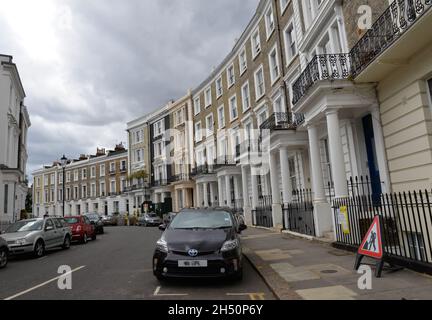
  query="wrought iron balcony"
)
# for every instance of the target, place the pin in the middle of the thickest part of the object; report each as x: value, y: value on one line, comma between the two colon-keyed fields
x: 282, y: 121
x: 400, y: 16
x: 180, y: 177
x: 322, y: 67
x: 225, y: 161
x: 159, y: 183
x: 203, y: 169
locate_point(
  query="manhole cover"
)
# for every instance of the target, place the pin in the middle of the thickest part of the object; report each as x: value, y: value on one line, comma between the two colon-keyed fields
x: 329, y: 271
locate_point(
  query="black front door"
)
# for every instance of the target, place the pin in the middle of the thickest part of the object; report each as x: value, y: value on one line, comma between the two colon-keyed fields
x: 372, y: 159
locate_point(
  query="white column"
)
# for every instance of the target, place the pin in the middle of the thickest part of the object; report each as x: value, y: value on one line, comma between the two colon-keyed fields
x: 274, y: 180
x: 198, y: 195
x: 220, y: 192
x: 245, y: 186
x: 380, y: 150
x: 254, y: 188
x: 336, y: 154
x: 184, y: 194
x: 237, y: 188
x: 205, y: 195
x: 228, y: 190
x: 286, y: 174
x: 315, y: 163
x: 212, y: 193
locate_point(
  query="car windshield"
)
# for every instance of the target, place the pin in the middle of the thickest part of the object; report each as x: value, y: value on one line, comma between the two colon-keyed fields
x: 24, y: 226
x: 202, y: 220
x: 93, y: 217
x: 71, y: 220
x: 151, y: 215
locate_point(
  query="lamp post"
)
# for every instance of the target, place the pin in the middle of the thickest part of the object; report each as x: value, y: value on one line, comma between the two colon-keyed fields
x: 63, y: 164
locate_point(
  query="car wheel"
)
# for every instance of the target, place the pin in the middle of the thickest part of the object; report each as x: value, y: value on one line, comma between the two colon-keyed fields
x: 84, y: 239
x: 3, y: 258
x: 66, y: 243
x: 39, y: 249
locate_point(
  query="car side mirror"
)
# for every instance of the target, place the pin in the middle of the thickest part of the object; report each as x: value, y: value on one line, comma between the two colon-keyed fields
x: 162, y: 227
x: 242, y: 227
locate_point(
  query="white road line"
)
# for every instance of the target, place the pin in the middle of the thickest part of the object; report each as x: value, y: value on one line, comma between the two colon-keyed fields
x: 157, y: 294
x: 43, y: 284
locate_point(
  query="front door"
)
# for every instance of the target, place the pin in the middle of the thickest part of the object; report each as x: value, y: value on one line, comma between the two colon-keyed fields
x: 375, y: 178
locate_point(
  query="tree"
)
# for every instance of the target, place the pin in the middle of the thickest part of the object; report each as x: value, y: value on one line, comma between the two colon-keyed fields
x: 142, y: 174
x: 29, y: 202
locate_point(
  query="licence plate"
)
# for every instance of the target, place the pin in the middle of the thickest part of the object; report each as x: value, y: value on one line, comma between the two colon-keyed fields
x: 192, y: 263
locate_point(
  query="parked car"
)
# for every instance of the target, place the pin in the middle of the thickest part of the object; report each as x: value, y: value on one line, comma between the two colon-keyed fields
x: 149, y: 220
x: 37, y: 235
x: 168, y: 218
x: 109, y: 220
x: 200, y: 243
x: 82, y: 229
x: 96, y: 220
x: 4, y: 253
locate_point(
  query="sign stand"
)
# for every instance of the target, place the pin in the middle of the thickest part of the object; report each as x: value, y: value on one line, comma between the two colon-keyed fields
x: 372, y: 246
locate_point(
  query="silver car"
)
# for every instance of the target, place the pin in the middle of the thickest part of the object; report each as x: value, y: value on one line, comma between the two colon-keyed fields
x: 37, y: 235
x: 4, y: 252
x: 149, y: 219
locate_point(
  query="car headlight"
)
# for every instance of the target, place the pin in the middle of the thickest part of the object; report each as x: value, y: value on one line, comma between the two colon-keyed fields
x: 162, y: 245
x: 20, y: 242
x: 230, y: 245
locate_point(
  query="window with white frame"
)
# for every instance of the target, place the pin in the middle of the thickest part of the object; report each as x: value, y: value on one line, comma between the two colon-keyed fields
x: 159, y: 128
x: 76, y: 177
x: 38, y: 182
x: 262, y: 115
x: 198, y: 132
x: 243, y: 61
x: 209, y: 125
x: 102, y: 170
x: 84, y: 191
x: 112, y: 166
x: 60, y: 178
x: 221, y: 117
x: 290, y: 42
x: 197, y: 106
x: 102, y: 191
x: 138, y: 136
x: 279, y: 105
x: 256, y: 43
x: 208, y: 97
x: 45, y: 180
x: 233, y: 108
x: 179, y: 119
x: 219, y: 87
x: 52, y: 178
x: 84, y: 174
x: 93, y: 172
x: 245, y: 97
x: 158, y: 149
x: 259, y: 83
x: 93, y: 190
x: 68, y: 176
x: 269, y: 21
x: 113, y: 186
x: 231, y: 75
x: 138, y: 155
x: 274, y: 65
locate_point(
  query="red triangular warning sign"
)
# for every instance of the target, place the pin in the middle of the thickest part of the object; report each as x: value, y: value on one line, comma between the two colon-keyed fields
x: 372, y: 243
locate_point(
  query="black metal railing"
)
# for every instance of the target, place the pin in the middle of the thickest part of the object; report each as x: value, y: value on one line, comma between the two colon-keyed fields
x: 298, y: 216
x: 203, y: 169
x: 135, y: 187
x: 225, y: 161
x: 159, y: 183
x: 180, y: 177
x: 322, y: 67
x: 389, y: 27
x: 238, y: 206
x: 406, y: 224
x: 262, y: 216
x: 279, y: 121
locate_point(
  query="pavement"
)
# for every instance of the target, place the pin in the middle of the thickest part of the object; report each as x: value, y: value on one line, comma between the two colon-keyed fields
x: 300, y: 269
x: 117, y: 266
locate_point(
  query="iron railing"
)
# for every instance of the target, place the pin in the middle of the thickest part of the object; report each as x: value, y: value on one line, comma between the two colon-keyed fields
x: 238, y: 206
x: 203, y: 169
x: 180, y: 177
x: 262, y: 216
x: 406, y: 224
x: 389, y: 27
x: 322, y: 67
x: 159, y: 183
x: 298, y: 216
x: 225, y: 162
x: 279, y: 121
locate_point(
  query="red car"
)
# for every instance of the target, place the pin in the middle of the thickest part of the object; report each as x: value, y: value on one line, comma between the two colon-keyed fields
x: 82, y: 228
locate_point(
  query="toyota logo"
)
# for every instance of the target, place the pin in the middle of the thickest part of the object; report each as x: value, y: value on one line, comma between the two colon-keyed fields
x: 193, y: 252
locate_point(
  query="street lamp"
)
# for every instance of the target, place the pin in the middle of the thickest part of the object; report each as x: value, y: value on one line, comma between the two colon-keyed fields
x: 63, y: 165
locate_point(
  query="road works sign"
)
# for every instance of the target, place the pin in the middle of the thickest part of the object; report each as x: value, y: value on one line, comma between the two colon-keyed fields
x: 372, y: 246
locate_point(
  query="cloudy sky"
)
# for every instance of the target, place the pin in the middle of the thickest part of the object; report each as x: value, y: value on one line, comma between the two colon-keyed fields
x: 90, y: 66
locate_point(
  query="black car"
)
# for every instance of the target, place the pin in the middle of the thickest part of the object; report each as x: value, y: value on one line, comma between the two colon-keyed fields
x: 4, y: 253
x: 96, y: 220
x: 200, y: 243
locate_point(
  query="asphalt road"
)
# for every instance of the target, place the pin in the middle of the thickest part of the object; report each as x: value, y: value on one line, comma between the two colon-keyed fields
x: 117, y: 266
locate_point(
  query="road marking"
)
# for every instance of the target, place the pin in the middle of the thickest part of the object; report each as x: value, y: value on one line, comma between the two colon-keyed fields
x: 157, y: 294
x: 43, y: 284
